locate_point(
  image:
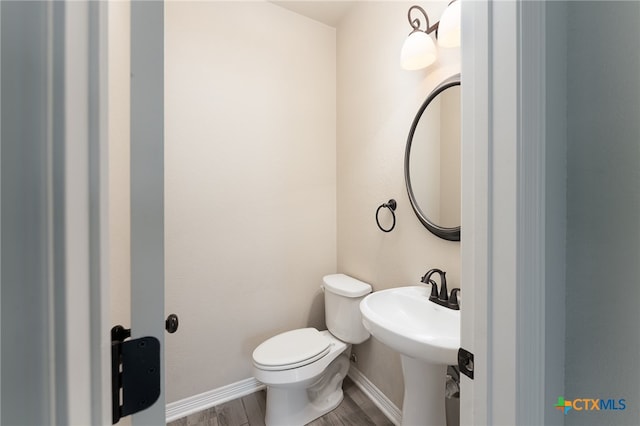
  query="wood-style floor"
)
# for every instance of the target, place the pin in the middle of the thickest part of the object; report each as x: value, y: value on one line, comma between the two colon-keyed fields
x: 356, y: 409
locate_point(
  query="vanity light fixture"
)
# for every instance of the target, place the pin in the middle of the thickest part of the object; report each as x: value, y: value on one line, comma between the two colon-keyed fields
x: 419, y: 50
x: 449, y: 29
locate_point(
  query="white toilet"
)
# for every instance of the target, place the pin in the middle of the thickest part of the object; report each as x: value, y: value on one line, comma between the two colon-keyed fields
x: 304, y: 368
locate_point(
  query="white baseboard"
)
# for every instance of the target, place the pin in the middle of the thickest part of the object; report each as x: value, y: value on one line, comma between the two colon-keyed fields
x: 381, y: 401
x: 196, y: 403
x: 193, y: 404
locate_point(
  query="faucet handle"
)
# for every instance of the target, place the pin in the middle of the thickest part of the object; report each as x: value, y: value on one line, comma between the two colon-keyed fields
x: 434, y: 290
x: 453, y: 299
x: 426, y: 279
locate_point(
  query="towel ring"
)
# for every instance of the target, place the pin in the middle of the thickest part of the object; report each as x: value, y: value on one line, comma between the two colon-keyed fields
x: 391, y: 205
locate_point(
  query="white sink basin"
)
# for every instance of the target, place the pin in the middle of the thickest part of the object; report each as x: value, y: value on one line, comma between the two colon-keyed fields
x: 407, y: 321
x: 427, y: 336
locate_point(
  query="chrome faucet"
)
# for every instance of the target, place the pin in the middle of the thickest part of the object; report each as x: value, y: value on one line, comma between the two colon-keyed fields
x: 441, y: 298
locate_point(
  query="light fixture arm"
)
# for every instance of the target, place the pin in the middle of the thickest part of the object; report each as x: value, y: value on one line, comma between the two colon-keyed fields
x: 415, y: 23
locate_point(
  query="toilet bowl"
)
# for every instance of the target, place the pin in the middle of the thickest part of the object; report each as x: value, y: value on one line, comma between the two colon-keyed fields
x: 303, y: 369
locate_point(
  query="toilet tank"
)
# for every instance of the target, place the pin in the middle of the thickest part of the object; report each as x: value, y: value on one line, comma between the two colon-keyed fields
x: 342, y: 297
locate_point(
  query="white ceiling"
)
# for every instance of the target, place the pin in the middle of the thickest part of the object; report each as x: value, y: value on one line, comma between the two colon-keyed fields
x: 328, y: 12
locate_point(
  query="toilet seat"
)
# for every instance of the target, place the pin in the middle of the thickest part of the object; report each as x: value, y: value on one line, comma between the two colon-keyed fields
x: 292, y: 349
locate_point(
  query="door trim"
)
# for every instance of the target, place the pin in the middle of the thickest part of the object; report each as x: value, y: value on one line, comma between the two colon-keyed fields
x: 99, y: 213
x: 88, y: 346
x: 52, y: 224
x: 475, y: 395
x: 503, y: 221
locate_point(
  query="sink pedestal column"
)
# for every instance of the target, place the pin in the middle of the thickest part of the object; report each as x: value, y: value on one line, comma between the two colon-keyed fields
x: 424, y: 385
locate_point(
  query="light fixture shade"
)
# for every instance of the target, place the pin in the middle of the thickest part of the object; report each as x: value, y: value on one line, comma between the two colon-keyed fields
x: 449, y: 27
x: 418, y: 51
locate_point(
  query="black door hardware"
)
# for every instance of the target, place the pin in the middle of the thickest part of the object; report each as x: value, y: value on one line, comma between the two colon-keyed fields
x: 135, y: 370
x: 171, y: 324
x: 465, y: 362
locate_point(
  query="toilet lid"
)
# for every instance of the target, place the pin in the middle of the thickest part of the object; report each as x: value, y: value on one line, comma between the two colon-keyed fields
x: 291, y: 349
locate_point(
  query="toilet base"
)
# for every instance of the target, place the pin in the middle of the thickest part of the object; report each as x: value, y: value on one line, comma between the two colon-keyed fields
x: 293, y: 406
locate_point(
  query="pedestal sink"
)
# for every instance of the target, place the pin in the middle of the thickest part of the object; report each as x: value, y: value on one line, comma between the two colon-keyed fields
x: 427, y: 336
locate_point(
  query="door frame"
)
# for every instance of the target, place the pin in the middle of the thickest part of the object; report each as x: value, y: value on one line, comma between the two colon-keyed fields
x: 88, y: 362
x: 86, y: 392
x: 57, y: 51
x: 504, y: 213
x: 86, y: 115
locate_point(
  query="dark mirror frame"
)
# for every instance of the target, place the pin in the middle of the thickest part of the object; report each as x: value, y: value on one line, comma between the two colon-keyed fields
x: 450, y: 234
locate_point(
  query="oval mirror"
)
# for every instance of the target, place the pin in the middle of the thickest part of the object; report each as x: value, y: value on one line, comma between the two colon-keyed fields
x: 432, y: 161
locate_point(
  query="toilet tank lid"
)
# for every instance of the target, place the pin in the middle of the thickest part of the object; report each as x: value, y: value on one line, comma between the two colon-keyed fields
x: 345, y: 285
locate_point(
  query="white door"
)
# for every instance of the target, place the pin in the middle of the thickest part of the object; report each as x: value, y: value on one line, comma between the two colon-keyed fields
x: 147, y: 185
x: 503, y: 221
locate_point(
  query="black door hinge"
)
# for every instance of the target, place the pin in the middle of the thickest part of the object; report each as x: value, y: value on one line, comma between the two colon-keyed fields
x: 135, y: 372
x: 465, y: 362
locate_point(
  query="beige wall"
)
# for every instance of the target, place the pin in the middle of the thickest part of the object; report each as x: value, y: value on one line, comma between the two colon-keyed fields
x: 250, y: 181
x: 377, y: 101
